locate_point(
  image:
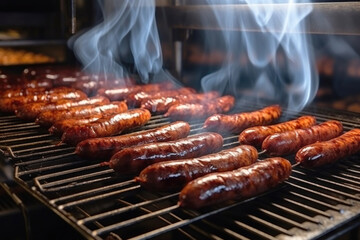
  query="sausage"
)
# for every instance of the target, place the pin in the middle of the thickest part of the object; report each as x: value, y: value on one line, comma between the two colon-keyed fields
x: 162, y: 104
x: 256, y: 135
x: 31, y: 111
x: 10, y: 104
x: 289, y: 142
x: 61, y: 126
x: 238, y: 184
x: 191, y: 111
x: 327, y: 152
x: 107, y: 126
x: 104, y: 148
x: 48, y: 118
x: 117, y: 94
x: 173, y: 175
x: 235, y: 123
x: 135, y: 159
x: 135, y: 99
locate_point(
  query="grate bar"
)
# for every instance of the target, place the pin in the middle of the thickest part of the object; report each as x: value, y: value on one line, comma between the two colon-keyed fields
x: 124, y: 209
x: 327, y: 188
x: 284, y: 219
x: 134, y: 220
x: 45, y: 159
x: 295, y: 213
x: 254, y: 230
x: 320, y: 194
x: 52, y: 167
x: 74, y: 179
x: 308, y: 208
x: 92, y: 191
x: 316, y: 201
x: 270, y: 225
x: 27, y: 138
x: 226, y: 230
x: 91, y: 199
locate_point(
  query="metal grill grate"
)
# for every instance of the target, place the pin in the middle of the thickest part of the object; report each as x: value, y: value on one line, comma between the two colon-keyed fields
x: 99, y: 202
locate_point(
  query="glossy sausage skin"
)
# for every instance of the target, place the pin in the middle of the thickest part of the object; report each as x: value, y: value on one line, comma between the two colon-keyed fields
x: 118, y: 94
x: 162, y: 104
x: 173, y: 175
x: 31, y: 110
x: 327, y: 152
x: 135, y: 159
x: 48, y: 118
x: 189, y: 111
x: 255, y: 135
x: 235, y: 123
x: 238, y: 184
x: 280, y: 144
x: 61, y: 126
x: 104, y: 148
x: 135, y: 99
x: 10, y: 104
x: 107, y: 126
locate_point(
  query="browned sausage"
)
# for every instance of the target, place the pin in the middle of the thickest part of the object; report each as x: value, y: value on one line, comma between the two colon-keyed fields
x: 189, y: 111
x: 31, y: 110
x: 135, y: 99
x: 162, y: 104
x: 289, y: 142
x: 117, y: 94
x: 48, y: 118
x: 173, y: 175
x: 104, y: 148
x: 255, y: 135
x: 107, y: 126
x: 235, y: 123
x: 238, y: 184
x: 61, y: 126
x: 10, y: 104
x: 135, y: 159
x: 327, y: 152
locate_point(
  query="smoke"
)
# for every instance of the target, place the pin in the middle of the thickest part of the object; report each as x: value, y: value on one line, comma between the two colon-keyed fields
x: 280, y: 64
x: 126, y: 38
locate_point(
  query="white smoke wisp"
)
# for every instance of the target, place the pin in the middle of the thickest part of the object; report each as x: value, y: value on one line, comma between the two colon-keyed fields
x: 127, y: 35
x: 281, y: 62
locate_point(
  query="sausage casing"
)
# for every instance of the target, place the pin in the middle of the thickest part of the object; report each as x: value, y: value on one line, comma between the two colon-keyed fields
x: 104, y: 148
x: 48, y: 118
x: 173, y: 175
x: 241, y: 183
x: 31, y: 110
x: 162, y: 104
x: 135, y: 159
x: 289, y: 142
x: 235, y: 123
x: 189, y: 111
x: 255, y: 135
x: 61, y: 126
x: 327, y: 152
x: 107, y: 126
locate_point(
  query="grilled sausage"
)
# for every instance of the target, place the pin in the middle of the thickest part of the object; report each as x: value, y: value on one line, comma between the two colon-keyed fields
x: 104, y: 148
x: 195, y: 111
x: 327, y: 152
x: 173, y: 175
x: 235, y: 123
x: 10, y: 104
x: 238, y: 184
x: 61, y: 126
x: 31, y: 110
x: 255, y: 135
x: 162, y: 104
x: 289, y: 142
x: 107, y: 126
x: 48, y: 118
x: 137, y: 158
x: 118, y: 94
x: 135, y: 99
